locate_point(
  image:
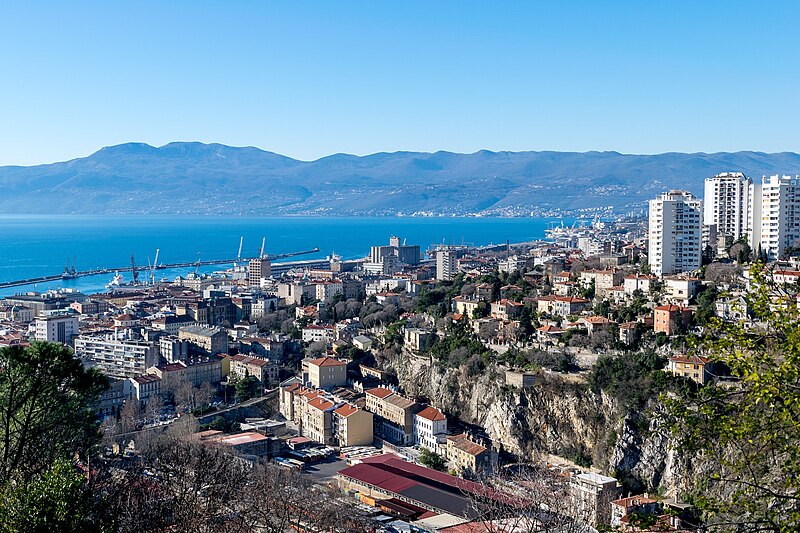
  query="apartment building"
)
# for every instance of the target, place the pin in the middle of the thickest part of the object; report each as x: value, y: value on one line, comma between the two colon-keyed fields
x: 117, y: 358
x: 326, y: 372
x: 727, y: 204
x: 446, y: 263
x: 604, y: 280
x: 776, y: 205
x: 395, y: 415
x: 352, y: 426
x: 675, y: 233
x: 466, y: 456
x: 318, y: 420
x: 670, y: 318
x: 561, y: 305
x: 204, y: 340
x: 56, y: 328
x: 593, y: 494
x: 430, y: 429
x: 637, y: 282
x: 258, y: 269
x: 264, y: 370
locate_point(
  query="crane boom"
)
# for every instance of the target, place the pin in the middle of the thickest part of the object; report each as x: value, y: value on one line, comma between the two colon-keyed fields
x: 239, y: 255
x: 153, y: 270
x: 263, y: 241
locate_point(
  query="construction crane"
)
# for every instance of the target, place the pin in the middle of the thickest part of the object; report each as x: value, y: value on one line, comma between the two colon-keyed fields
x: 261, y: 253
x: 134, y: 272
x: 153, y: 269
x: 239, y: 254
x: 197, y: 265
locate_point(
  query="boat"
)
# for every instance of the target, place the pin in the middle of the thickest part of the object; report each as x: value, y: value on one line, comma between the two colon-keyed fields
x: 116, y: 281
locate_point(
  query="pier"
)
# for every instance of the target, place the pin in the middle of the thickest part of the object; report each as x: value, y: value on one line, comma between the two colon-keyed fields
x: 162, y: 266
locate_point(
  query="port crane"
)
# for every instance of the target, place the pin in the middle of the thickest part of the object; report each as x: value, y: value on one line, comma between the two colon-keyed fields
x: 239, y: 254
x: 134, y: 271
x: 153, y: 269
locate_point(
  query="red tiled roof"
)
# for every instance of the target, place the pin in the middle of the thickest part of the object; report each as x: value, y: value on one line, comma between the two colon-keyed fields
x: 327, y: 361
x: 380, y: 392
x: 463, y: 443
x: 431, y: 413
x: 346, y: 410
x: 691, y: 359
x: 321, y: 403
x: 671, y: 308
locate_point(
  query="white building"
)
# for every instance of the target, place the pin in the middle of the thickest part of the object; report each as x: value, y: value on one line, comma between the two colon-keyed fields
x: 117, y: 358
x: 430, y: 429
x: 727, y: 204
x: 56, y: 328
x: 675, y: 233
x: 446, y: 263
x: 776, y: 214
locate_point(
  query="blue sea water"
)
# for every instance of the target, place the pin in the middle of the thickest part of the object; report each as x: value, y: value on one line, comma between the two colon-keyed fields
x: 39, y: 245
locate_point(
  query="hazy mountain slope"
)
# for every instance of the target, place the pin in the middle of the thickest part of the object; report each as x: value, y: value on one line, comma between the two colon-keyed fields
x: 213, y: 178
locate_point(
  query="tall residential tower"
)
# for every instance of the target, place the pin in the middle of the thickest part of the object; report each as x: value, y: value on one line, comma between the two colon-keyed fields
x: 675, y: 233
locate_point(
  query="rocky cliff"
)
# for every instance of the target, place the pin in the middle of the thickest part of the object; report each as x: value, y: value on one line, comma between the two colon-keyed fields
x: 559, y: 415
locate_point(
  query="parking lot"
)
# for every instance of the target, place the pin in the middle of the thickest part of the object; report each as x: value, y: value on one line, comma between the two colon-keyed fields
x: 325, y: 470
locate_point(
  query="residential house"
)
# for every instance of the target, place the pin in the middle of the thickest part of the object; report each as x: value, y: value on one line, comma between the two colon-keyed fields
x: 430, y: 429
x: 694, y: 367
x: 326, y: 372
x: 352, y: 426
x: 637, y: 282
x: 671, y: 319
x: 466, y: 456
x: 506, y: 309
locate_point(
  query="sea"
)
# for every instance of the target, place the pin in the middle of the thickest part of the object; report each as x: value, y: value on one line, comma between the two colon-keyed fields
x: 40, y: 245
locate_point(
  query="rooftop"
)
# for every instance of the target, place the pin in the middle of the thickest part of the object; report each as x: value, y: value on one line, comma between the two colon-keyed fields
x: 463, y: 443
x: 431, y: 413
x: 327, y: 361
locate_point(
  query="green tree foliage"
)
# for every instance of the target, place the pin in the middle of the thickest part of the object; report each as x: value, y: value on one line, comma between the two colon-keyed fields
x: 54, y: 500
x: 459, y: 347
x: 633, y: 378
x: 749, y: 430
x: 247, y: 388
x: 432, y: 460
x: 705, y: 305
x: 588, y: 291
x: 47, y: 403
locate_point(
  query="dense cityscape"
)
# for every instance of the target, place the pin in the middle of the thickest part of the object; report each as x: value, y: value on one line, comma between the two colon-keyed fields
x: 399, y: 267
x: 515, y: 387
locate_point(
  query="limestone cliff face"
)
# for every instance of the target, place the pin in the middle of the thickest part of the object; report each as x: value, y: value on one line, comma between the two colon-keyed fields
x: 559, y: 416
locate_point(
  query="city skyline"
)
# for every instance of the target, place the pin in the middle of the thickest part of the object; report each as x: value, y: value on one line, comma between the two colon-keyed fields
x: 312, y: 80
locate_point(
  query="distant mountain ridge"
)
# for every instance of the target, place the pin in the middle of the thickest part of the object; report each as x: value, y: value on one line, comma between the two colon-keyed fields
x: 197, y: 178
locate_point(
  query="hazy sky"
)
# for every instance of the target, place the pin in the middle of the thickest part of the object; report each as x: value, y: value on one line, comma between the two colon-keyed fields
x: 307, y: 79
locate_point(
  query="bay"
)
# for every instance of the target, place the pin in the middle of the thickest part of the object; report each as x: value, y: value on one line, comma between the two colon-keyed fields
x: 39, y: 245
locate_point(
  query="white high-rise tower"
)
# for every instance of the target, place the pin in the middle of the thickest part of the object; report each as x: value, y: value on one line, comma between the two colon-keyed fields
x: 675, y: 233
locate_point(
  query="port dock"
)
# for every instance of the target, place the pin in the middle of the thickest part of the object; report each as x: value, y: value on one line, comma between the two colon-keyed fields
x: 162, y: 266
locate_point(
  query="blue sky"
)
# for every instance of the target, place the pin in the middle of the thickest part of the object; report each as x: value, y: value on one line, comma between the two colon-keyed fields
x: 308, y: 79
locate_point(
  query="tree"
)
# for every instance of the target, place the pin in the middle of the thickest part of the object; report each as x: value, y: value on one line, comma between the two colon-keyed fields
x: 185, y: 394
x: 247, y: 388
x: 47, y: 401
x: 205, y: 395
x: 152, y: 407
x: 130, y: 415
x: 705, y: 305
x: 530, y: 498
x: 55, y: 500
x: 748, y: 431
x: 432, y: 460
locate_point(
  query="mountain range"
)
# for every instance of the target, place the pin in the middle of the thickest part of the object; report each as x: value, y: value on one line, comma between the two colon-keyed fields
x: 197, y: 178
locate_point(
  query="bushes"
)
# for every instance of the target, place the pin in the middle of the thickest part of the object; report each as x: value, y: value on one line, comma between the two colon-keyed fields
x: 632, y: 378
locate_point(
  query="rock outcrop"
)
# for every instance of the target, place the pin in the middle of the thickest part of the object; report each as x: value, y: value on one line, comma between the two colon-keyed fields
x: 559, y: 415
